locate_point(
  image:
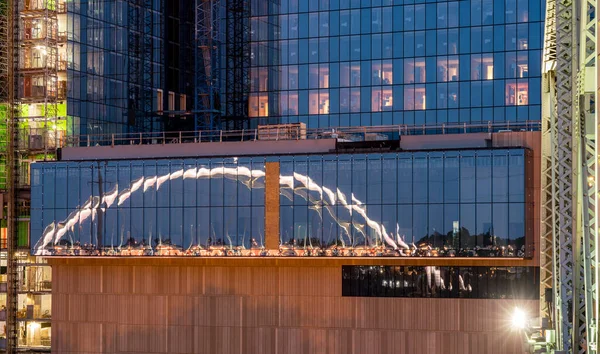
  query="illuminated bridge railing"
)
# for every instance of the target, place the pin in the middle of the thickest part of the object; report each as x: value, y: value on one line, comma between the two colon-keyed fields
x: 357, y: 134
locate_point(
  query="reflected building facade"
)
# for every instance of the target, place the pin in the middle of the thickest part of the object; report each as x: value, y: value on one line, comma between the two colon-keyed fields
x: 440, y: 282
x: 462, y: 203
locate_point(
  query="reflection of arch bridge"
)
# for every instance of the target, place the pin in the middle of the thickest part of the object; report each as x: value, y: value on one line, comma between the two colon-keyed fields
x: 298, y: 184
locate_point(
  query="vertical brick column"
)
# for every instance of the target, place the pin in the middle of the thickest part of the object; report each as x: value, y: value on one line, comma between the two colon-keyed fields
x: 272, y: 205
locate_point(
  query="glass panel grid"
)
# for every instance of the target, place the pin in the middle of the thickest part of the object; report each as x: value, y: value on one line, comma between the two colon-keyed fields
x: 437, y: 56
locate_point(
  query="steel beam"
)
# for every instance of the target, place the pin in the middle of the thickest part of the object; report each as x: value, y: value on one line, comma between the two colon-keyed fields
x: 237, y: 71
x: 567, y: 271
x: 206, y: 67
x: 548, y: 171
x: 569, y: 173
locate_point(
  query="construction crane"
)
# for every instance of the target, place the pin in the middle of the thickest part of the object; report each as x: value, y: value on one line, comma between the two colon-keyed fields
x: 569, y: 183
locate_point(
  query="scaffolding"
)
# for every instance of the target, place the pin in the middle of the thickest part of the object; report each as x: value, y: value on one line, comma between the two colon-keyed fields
x: 12, y: 172
x: 32, y: 84
x: 42, y: 79
x: 5, y: 79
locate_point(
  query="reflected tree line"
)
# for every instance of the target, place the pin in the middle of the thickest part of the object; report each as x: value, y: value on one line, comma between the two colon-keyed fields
x: 452, y: 244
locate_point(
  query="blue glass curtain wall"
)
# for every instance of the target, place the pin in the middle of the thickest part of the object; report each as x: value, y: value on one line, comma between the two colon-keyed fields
x: 147, y: 207
x: 454, y: 203
x: 332, y: 63
x: 463, y: 203
x: 100, y: 57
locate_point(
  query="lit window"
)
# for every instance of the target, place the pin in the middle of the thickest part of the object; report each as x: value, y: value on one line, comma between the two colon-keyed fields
x: 182, y: 102
x: 382, y: 72
x: 159, y: 100
x: 171, y: 101
x: 324, y: 76
x: 253, y: 105
x: 376, y: 99
x: 522, y: 65
x: 263, y: 105
x: 386, y: 99
x: 420, y: 103
x: 313, y: 75
x: 517, y: 93
x: 313, y: 102
x: 447, y: 69
x: 381, y: 99
x: 522, y: 92
x: 482, y: 67
x: 522, y: 40
x: 414, y: 70
x: 453, y: 68
x: 387, y: 73
x: 323, y: 101
x: 414, y: 97
x: 258, y: 105
x: 409, y: 98
x: 442, y: 69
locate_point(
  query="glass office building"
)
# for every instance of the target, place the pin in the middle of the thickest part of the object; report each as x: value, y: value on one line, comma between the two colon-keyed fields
x: 118, y: 56
x: 452, y: 203
x: 438, y: 204
x: 368, y: 213
x: 330, y: 63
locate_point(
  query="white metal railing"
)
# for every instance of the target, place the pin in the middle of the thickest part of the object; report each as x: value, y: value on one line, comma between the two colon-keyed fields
x: 383, y: 132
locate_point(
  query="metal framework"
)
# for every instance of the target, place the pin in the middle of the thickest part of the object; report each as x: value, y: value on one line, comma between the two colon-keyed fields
x: 142, y: 24
x: 134, y: 69
x: 147, y: 84
x: 589, y: 168
x: 548, y: 170
x: 33, y: 39
x: 569, y: 174
x: 11, y: 30
x: 237, y: 71
x: 206, y: 66
x: 30, y: 88
x: 5, y: 20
